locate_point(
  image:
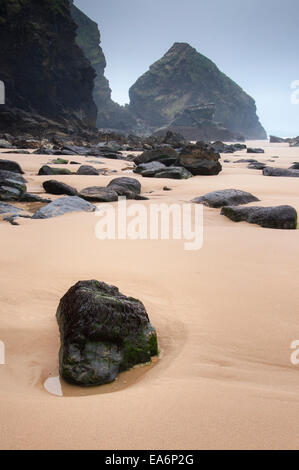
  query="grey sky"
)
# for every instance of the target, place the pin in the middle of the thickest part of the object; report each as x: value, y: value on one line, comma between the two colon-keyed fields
x: 255, y: 42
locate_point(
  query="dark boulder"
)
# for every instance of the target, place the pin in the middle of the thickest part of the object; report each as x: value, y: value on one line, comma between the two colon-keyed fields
x: 9, y: 165
x: 87, y: 170
x: 149, y: 169
x: 102, y: 333
x: 131, y: 184
x: 255, y: 150
x: 280, y: 217
x: 99, y: 194
x: 59, y: 188
x: 12, y: 186
x: 174, y: 172
x: 271, y: 171
x: 166, y: 155
x: 62, y: 206
x: 225, y: 197
x: 199, y: 159
x: 47, y: 170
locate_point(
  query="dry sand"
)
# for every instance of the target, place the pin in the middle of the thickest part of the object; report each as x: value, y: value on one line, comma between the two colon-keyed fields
x: 225, y: 315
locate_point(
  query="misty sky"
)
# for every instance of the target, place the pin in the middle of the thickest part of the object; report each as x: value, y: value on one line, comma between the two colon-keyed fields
x: 255, y: 42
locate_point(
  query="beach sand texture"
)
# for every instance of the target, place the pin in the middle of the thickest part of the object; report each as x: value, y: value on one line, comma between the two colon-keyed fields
x: 225, y: 315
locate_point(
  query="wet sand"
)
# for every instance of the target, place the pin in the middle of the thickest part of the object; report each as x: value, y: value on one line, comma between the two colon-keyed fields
x: 226, y: 316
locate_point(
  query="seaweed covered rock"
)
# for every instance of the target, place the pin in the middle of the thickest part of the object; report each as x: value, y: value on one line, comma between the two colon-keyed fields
x: 102, y: 332
x: 47, y: 170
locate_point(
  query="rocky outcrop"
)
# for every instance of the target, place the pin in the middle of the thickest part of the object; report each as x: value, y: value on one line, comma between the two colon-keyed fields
x: 110, y: 114
x: 102, y: 332
x: 280, y: 217
x: 184, y: 78
x: 48, y: 81
x: 200, y: 159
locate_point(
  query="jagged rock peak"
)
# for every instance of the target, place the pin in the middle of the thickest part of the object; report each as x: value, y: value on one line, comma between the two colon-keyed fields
x: 182, y: 78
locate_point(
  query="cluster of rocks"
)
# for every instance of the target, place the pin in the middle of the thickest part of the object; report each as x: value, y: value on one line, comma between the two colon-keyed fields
x: 293, y: 142
x: 190, y: 160
x: 13, y: 189
x: 279, y: 217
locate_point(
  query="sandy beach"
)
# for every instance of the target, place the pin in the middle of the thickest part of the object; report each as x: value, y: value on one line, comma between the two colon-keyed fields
x: 225, y: 316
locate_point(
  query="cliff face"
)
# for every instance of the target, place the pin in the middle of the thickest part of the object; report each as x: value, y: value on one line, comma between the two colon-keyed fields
x: 184, y: 78
x: 47, y: 78
x: 110, y: 114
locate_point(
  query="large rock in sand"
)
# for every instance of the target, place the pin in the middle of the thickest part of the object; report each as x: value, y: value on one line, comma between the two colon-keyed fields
x: 200, y: 159
x: 284, y: 172
x: 102, y: 332
x: 225, y: 197
x: 59, y: 188
x: 99, y: 194
x: 62, y: 206
x: 47, y: 170
x: 9, y: 165
x: 131, y: 184
x: 280, y: 217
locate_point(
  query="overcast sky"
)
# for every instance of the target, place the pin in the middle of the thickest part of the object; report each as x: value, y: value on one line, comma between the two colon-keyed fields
x: 255, y: 42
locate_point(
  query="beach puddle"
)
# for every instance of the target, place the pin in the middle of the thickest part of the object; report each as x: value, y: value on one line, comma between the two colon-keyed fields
x: 57, y: 386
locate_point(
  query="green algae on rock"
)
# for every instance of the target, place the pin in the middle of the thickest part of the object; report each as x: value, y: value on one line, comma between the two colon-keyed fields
x: 103, y: 333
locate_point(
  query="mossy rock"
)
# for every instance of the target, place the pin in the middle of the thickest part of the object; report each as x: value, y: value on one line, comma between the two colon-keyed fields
x: 103, y: 332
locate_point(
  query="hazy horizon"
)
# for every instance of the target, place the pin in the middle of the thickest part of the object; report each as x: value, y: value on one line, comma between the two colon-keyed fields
x: 253, y: 43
